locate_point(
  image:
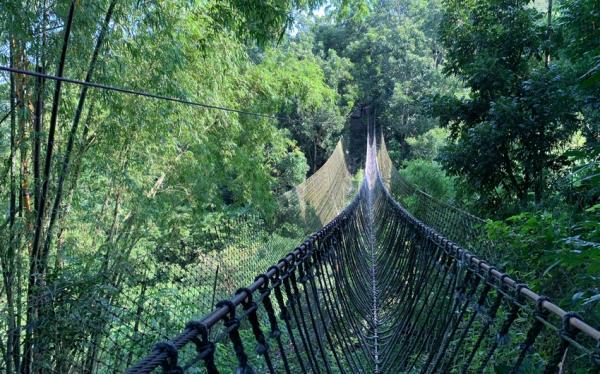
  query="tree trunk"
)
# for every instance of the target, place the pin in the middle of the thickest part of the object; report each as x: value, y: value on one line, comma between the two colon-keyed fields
x: 538, y: 186
x: 548, y: 33
x: 73, y: 133
x: 37, y: 267
x: 8, y: 262
x: 36, y: 135
x: 138, y: 317
x: 521, y: 194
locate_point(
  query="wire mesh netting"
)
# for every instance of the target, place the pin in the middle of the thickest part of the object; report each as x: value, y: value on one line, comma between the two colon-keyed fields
x: 323, y: 196
x: 454, y: 223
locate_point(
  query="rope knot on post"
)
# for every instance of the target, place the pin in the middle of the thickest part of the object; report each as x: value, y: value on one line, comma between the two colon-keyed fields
x: 566, y: 333
x: 301, y: 270
x: 461, y: 289
x: 265, y: 292
x: 276, y: 283
x: 502, y: 281
x: 264, y: 286
x: 169, y: 365
x: 539, y: 307
x: 489, y: 274
x: 232, y: 323
x: 462, y: 261
x: 204, y: 347
x: 518, y: 298
x: 250, y: 307
x: 305, y: 270
x: 248, y: 302
x: 288, y: 266
x: 567, y: 330
x: 275, y: 278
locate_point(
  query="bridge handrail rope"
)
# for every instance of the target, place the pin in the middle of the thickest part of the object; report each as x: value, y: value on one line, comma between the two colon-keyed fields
x: 469, y: 257
x: 311, y: 253
x: 519, y: 288
x: 192, y: 331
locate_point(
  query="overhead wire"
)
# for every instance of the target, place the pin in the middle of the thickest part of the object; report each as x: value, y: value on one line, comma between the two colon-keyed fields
x: 142, y: 93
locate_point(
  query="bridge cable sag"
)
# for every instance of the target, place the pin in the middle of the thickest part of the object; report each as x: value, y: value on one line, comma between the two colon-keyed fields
x: 392, y: 295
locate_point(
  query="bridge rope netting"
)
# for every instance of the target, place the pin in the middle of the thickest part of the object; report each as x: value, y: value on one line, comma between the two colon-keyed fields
x: 376, y: 290
x: 324, y: 194
x: 454, y: 223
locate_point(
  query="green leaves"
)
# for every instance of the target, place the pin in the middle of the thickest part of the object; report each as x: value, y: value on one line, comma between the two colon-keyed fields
x: 520, y: 113
x: 395, y: 61
x: 429, y: 177
x: 592, y: 77
x: 428, y: 145
x: 156, y: 188
x: 557, y: 253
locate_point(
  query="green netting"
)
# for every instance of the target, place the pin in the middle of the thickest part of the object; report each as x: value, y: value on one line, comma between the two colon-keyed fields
x: 324, y: 194
x: 378, y: 291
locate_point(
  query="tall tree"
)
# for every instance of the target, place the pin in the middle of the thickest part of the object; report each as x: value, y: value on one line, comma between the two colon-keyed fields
x: 396, y: 63
x: 519, y: 110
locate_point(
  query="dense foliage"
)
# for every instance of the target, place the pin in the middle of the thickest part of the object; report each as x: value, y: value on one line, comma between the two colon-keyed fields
x: 524, y: 137
x: 396, y: 61
x: 107, y: 195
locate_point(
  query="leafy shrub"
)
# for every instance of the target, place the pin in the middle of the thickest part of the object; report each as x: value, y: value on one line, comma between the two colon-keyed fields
x: 427, y: 146
x: 556, y: 253
x: 429, y: 176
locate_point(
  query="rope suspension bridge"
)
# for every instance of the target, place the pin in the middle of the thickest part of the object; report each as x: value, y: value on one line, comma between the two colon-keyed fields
x: 391, y: 281
x: 376, y: 290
